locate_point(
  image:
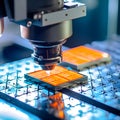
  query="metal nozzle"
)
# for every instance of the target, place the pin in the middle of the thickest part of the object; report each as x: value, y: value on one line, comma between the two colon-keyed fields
x: 47, y: 56
x: 48, y: 67
x: 48, y: 42
x: 1, y: 26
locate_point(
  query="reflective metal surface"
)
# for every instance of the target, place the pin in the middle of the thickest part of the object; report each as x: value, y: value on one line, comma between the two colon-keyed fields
x: 1, y: 25
x: 11, y: 112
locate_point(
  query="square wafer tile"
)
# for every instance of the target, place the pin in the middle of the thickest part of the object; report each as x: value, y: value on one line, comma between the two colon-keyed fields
x: 82, y: 56
x: 58, y: 78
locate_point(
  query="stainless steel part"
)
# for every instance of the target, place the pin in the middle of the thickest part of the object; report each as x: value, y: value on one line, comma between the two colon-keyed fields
x: 1, y: 26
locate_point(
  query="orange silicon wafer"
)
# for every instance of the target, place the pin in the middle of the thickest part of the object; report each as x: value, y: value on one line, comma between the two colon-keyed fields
x: 71, y: 58
x: 70, y: 75
x: 92, y: 53
x: 55, y: 80
x: 57, y: 70
x: 39, y: 74
x: 85, y: 53
x: 82, y: 56
x: 42, y: 73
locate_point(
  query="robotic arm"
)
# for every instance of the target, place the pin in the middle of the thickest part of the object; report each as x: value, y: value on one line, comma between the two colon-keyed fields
x: 46, y: 23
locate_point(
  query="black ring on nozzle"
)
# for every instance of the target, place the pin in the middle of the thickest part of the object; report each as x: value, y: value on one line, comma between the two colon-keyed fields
x: 47, y: 57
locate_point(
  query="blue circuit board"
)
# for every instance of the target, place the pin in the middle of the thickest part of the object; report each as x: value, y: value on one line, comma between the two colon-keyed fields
x: 100, y: 98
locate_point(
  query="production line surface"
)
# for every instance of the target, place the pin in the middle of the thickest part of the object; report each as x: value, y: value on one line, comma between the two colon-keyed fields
x: 103, y: 87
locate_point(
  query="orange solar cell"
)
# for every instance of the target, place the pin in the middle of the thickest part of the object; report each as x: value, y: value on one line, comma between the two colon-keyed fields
x: 43, y: 73
x: 58, y: 69
x: 70, y: 57
x: 82, y: 56
x: 39, y: 75
x: 58, y: 78
x: 55, y: 80
x: 70, y: 75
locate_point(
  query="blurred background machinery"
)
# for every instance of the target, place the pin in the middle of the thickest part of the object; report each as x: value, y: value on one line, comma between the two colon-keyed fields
x: 99, y: 24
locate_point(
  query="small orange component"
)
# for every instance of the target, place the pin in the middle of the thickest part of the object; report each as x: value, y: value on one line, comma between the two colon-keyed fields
x: 56, y: 97
x: 82, y: 56
x: 57, y: 104
x: 58, y: 77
